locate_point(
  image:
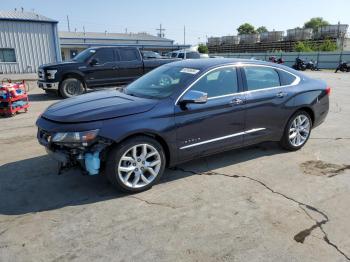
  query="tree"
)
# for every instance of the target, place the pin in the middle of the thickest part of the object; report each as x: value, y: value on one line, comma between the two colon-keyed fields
x: 246, y: 28
x: 261, y: 29
x: 315, y: 23
x: 303, y: 47
x: 328, y: 45
x: 203, y: 49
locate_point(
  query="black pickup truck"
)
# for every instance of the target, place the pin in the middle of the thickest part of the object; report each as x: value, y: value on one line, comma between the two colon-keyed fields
x: 96, y: 67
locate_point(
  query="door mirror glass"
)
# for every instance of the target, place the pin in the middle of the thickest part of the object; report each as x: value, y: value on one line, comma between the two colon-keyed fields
x: 194, y: 97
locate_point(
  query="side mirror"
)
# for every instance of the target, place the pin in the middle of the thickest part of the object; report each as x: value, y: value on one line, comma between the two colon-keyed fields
x: 93, y: 62
x: 194, y: 97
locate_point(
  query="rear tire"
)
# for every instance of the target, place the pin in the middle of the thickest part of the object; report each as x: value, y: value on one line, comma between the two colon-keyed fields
x: 71, y: 87
x: 297, y: 131
x: 136, y: 164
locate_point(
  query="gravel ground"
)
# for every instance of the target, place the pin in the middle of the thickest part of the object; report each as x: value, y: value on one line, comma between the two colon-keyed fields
x: 254, y: 204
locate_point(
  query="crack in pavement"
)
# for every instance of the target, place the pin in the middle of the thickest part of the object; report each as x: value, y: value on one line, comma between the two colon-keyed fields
x: 303, y: 234
x: 153, y: 203
x: 329, y: 138
x: 300, y: 237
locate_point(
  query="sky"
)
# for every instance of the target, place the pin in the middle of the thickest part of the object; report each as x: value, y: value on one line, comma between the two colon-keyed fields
x: 202, y: 18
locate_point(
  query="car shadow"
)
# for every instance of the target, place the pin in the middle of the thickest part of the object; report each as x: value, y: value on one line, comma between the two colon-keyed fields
x: 43, y: 97
x: 32, y: 185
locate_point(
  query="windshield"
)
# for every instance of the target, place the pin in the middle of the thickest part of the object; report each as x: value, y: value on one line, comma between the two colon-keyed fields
x: 84, y: 55
x: 161, y: 82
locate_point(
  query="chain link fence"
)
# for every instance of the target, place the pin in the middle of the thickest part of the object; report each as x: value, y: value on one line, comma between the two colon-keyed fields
x: 326, y: 60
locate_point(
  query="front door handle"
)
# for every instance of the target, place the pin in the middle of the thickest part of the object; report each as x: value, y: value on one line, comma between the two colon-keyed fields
x: 114, y: 67
x: 236, y: 101
x: 281, y: 94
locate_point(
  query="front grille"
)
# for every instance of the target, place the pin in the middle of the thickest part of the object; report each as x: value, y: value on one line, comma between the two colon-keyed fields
x: 41, y: 74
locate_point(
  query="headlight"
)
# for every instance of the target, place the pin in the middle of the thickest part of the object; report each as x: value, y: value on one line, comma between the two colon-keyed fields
x: 51, y: 74
x: 75, y: 137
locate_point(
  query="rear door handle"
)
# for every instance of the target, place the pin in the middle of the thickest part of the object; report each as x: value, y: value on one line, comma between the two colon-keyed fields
x: 236, y: 101
x: 281, y: 94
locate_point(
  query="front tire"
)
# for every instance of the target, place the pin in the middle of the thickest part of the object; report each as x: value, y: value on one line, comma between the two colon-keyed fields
x: 136, y: 164
x: 71, y: 87
x: 297, y: 131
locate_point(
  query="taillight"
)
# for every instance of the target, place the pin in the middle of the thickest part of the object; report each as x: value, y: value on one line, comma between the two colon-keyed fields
x: 328, y: 90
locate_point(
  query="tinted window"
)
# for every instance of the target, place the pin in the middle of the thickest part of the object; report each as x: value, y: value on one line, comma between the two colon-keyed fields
x: 7, y: 55
x: 261, y: 77
x: 128, y: 54
x: 181, y: 55
x: 193, y: 55
x: 104, y: 55
x: 173, y: 55
x: 286, y: 78
x: 219, y: 82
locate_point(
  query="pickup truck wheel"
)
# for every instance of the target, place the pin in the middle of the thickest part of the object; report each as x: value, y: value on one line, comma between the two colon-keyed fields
x: 136, y: 164
x: 71, y: 87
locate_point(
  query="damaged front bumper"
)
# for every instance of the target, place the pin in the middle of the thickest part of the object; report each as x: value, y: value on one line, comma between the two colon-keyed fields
x: 86, y: 156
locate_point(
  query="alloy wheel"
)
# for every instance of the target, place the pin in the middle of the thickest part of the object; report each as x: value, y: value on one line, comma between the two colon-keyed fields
x: 299, y: 130
x: 139, y: 166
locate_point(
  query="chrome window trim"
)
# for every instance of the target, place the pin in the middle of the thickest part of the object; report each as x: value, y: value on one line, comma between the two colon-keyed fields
x: 295, y: 82
x: 224, y: 137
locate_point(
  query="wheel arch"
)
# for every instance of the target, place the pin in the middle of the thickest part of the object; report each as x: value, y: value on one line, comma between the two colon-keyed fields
x: 153, y: 135
x: 73, y: 75
x: 307, y: 110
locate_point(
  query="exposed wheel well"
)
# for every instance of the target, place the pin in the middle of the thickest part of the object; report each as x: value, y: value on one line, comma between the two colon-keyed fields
x: 158, y: 138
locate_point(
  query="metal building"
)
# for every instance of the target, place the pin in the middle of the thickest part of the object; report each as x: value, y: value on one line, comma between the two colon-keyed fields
x: 74, y: 42
x: 27, y: 40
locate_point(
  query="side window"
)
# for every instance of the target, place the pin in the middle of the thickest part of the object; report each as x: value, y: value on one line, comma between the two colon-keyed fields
x: 286, y: 78
x: 218, y: 82
x: 181, y: 55
x: 192, y: 55
x: 104, y: 55
x: 128, y: 54
x: 259, y: 77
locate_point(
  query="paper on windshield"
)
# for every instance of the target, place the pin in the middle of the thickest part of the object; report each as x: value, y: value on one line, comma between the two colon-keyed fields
x: 191, y: 71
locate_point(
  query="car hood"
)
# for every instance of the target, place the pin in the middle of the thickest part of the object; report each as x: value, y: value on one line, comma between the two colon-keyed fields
x: 97, y: 106
x: 60, y: 64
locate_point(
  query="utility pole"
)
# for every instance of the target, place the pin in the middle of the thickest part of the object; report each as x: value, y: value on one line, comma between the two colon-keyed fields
x: 68, y: 23
x: 184, y: 35
x: 160, y: 31
x: 126, y: 30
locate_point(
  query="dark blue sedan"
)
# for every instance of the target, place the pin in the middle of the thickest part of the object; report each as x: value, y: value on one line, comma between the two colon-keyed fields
x: 181, y: 111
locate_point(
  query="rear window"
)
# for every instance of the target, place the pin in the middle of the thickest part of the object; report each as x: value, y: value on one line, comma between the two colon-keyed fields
x: 286, y: 78
x: 128, y: 55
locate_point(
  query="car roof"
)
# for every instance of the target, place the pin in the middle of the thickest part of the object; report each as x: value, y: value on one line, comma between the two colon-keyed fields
x: 208, y: 63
